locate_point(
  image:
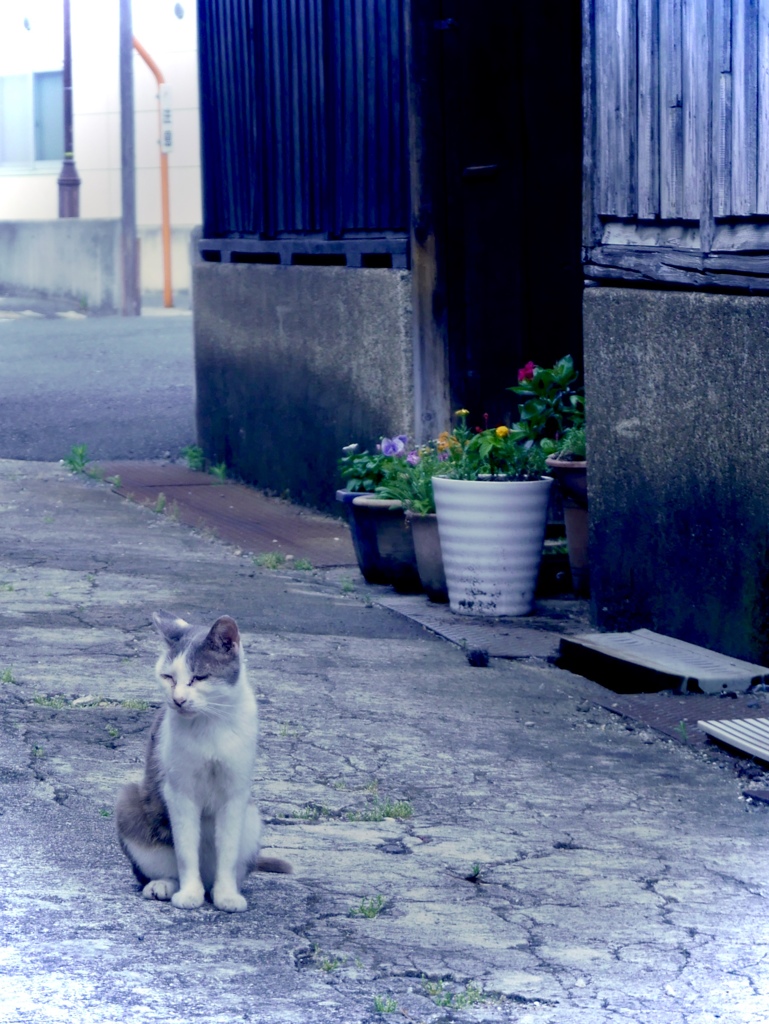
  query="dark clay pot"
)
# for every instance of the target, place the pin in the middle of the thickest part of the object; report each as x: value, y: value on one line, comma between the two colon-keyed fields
x: 427, y: 547
x: 383, y: 543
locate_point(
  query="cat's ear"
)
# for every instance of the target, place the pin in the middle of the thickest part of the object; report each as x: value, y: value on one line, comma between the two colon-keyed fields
x: 224, y: 635
x: 170, y: 627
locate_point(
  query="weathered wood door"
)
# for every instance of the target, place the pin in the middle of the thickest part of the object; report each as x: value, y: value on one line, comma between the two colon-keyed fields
x: 511, y: 107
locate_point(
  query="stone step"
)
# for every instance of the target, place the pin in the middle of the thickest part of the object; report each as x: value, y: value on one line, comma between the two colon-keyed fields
x: 647, y: 662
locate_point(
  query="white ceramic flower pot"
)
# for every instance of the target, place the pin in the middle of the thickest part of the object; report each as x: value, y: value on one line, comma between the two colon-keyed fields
x: 492, y: 534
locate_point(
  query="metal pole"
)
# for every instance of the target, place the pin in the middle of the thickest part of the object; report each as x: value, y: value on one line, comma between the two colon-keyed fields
x: 168, y: 300
x: 69, y: 182
x: 130, y: 245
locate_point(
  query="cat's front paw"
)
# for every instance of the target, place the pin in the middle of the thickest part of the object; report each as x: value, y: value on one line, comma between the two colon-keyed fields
x: 160, y: 889
x: 190, y: 898
x: 229, y: 899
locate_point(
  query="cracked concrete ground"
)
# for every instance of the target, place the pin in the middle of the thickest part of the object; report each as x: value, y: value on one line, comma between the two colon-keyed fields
x: 469, y: 844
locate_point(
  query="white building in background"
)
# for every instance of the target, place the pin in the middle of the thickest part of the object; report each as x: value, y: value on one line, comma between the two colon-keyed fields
x: 31, y: 118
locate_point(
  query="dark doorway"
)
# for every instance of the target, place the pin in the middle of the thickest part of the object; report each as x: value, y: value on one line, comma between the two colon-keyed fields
x: 510, y: 79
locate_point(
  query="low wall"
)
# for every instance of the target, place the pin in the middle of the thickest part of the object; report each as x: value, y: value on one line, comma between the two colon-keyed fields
x: 71, y: 257
x: 678, y: 464
x: 293, y: 363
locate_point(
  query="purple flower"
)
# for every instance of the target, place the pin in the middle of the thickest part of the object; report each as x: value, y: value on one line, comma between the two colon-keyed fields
x: 393, y: 446
x: 413, y: 458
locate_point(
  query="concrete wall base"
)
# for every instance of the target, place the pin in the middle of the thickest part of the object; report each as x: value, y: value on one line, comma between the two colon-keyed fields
x: 678, y: 465
x: 293, y: 363
x: 76, y: 258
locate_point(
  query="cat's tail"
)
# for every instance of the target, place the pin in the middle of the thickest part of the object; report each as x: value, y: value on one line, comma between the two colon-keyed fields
x: 274, y: 864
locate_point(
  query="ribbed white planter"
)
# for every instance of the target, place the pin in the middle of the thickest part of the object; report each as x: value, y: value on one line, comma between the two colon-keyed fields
x: 492, y: 534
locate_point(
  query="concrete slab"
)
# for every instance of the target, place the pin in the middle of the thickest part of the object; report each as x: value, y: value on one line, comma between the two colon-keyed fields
x: 537, y: 862
x: 647, y: 661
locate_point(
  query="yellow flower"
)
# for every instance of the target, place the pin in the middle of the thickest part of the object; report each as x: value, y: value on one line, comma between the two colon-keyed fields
x: 502, y: 431
x: 462, y: 412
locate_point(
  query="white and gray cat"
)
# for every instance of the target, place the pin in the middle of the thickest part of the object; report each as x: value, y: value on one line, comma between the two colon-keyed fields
x: 189, y: 828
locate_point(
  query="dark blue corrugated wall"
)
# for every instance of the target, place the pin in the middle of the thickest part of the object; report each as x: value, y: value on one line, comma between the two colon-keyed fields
x: 303, y: 118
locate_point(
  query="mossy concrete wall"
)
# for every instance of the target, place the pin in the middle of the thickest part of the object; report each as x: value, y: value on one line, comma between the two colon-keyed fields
x: 293, y: 363
x: 677, y: 388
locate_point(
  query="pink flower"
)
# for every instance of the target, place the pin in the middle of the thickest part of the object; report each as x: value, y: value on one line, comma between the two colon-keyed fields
x: 526, y: 372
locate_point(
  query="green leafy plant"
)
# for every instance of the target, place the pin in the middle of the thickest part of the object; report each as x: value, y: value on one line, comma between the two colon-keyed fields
x: 194, y: 457
x: 552, y: 402
x: 160, y: 503
x: 77, y: 460
x: 219, y: 471
x: 366, y: 471
x: 6, y: 676
x: 409, y: 478
x: 571, y: 446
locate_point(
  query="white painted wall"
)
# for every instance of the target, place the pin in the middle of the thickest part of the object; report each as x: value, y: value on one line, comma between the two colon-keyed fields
x: 30, y: 192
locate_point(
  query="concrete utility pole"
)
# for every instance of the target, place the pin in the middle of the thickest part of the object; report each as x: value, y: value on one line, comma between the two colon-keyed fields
x: 69, y: 182
x: 130, y: 245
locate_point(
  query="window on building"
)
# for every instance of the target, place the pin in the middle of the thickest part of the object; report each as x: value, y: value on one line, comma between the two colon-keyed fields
x: 31, y: 117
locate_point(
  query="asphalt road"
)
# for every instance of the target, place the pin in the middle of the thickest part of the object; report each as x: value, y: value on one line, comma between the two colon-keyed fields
x: 124, y: 387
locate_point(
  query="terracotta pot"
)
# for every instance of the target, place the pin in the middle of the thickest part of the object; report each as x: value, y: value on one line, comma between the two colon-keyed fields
x: 427, y: 547
x: 492, y: 533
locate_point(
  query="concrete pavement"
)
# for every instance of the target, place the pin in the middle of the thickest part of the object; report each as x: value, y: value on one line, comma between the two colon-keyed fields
x: 469, y: 844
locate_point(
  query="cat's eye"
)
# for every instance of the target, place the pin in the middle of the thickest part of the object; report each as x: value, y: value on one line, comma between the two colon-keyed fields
x: 198, y: 679
x: 168, y: 679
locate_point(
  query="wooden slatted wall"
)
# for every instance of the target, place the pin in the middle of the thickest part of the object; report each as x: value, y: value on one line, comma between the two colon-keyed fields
x: 304, y: 120
x: 677, y: 141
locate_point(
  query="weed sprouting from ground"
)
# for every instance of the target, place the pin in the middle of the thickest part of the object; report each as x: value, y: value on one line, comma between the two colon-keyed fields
x: 194, y: 457
x: 219, y: 471
x: 160, y: 504
x: 470, y: 995
x: 270, y: 560
x: 303, y: 564
x: 369, y: 907
x: 385, y: 1004
x: 6, y: 676
x: 382, y: 808
x: 77, y: 460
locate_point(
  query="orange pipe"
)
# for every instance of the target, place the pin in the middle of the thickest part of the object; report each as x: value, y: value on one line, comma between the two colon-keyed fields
x: 164, y: 194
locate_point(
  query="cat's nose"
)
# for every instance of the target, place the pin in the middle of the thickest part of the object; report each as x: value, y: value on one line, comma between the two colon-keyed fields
x: 180, y: 701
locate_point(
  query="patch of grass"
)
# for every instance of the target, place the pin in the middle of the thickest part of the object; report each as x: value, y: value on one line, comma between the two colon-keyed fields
x: 385, y: 1004
x: 270, y: 560
x: 347, y: 586
x: 135, y: 705
x: 105, y: 812
x: 6, y: 676
x: 381, y: 809
x: 112, y: 731
x: 114, y: 480
x: 77, y: 460
x: 303, y: 564
x: 285, y: 731
x: 219, y: 471
x: 330, y: 963
x: 312, y: 812
x: 470, y: 995
x: 58, y: 702
x: 160, y: 504
x: 7, y: 587
x: 194, y: 457
x: 681, y: 730
x: 37, y: 751
x: 370, y: 907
